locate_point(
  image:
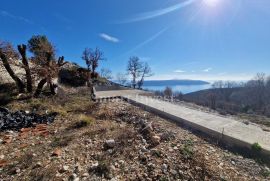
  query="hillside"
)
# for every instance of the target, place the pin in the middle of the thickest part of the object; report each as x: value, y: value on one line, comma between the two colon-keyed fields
x: 112, y: 141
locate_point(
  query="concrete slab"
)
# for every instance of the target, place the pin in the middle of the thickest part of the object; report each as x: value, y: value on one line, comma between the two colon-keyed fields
x: 231, y: 131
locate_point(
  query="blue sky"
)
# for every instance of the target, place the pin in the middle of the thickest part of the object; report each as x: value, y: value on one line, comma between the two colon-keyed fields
x: 183, y: 39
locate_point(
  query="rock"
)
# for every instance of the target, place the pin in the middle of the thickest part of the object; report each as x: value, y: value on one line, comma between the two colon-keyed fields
x: 233, y: 162
x: 109, y: 144
x: 18, y: 170
x: 3, y: 163
x: 74, y: 177
x: 1, y: 141
x: 78, y: 169
x: 164, y: 168
x: 57, y: 152
x: 39, y: 164
x: 88, y: 141
x: 65, y: 168
x: 144, y: 149
x: 173, y: 172
x: 21, y: 119
x: 121, y: 162
x: 85, y: 175
x: 155, y: 140
x: 147, y: 129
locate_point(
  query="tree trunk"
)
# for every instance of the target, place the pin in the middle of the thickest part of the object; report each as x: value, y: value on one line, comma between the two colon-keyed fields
x: 22, y: 50
x: 53, y: 88
x: 18, y: 81
x: 40, y: 86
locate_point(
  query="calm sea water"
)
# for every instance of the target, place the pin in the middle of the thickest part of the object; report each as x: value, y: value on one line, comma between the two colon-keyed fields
x: 182, y: 88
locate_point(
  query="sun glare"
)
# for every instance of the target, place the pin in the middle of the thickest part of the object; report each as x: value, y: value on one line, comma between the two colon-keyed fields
x: 211, y: 3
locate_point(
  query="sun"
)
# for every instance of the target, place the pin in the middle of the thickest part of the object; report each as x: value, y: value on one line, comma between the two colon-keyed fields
x: 211, y: 3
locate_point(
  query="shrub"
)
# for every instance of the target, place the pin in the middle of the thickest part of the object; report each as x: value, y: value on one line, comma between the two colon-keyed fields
x: 256, y: 147
x: 83, y: 122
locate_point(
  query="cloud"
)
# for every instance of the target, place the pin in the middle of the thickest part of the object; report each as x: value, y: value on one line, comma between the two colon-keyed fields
x: 179, y: 71
x: 157, y: 13
x: 152, y: 38
x: 207, y: 70
x: 109, y: 38
x: 18, y: 18
x: 62, y: 18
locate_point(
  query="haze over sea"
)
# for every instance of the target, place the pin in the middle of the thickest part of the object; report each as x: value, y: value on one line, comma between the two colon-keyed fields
x: 184, y: 86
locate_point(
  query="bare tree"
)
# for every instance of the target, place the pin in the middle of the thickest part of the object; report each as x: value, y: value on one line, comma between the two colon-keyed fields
x: 121, y: 78
x: 146, y: 72
x: 92, y: 59
x: 212, y: 98
x: 134, y: 68
x: 86, y: 57
x: 106, y: 73
x: 22, y: 50
x: 7, y: 52
x: 168, y: 92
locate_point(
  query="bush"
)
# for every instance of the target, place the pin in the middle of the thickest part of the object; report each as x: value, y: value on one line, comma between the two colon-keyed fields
x: 256, y: 147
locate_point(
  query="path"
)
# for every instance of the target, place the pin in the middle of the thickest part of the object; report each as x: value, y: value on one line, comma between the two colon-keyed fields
x: 234, y: 132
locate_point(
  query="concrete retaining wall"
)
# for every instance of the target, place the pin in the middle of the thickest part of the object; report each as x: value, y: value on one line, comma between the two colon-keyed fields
x: 221, y: 139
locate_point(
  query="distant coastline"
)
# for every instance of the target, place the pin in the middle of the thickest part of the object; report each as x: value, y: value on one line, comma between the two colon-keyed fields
x: 174, y: 82
x: 184, y: 86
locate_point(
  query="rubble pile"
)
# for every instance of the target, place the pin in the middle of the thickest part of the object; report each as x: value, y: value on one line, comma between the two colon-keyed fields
x: 22, y: 119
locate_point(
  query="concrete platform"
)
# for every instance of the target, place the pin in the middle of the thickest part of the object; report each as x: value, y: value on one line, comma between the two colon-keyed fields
x: 227, y: 130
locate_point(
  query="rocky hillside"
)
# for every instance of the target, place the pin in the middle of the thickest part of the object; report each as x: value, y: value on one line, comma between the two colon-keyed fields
x: 111, y: 141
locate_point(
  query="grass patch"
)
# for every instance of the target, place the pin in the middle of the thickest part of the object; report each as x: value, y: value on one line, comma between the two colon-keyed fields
x: 265, y: 173
x: 187, y: 149
x: 61, y: 141
x: 83, y: 121
x: 256, y: 147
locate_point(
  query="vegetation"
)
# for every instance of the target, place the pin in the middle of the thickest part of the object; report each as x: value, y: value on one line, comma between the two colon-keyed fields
x: 106, y: 73
x: 45, y: 67
x: 121, y: 78
x: 250, y: 98
x: 138, y: 70
x: 256, y: 147
x: 92, y: 59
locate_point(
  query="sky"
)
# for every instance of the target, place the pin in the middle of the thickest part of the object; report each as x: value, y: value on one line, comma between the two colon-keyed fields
x: 179, y: 39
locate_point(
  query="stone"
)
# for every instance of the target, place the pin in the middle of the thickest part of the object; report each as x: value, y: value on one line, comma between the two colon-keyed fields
x: 85, y: 174
x: 121, y: 162
x: 164, y: 168
x: 155, y: 140
x: 74, y: 177
x: 65, y: 167
x: 144, y: 149
x: 21, y: 119
x: 3, y: 163
x: 109, y: 144
x: 57, y: 152
x: 88, y: 141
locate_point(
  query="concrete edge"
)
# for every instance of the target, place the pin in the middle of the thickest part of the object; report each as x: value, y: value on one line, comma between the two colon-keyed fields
x: 221, y: 139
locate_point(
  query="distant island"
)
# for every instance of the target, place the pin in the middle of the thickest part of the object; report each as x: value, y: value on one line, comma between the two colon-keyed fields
x: 174, y: 82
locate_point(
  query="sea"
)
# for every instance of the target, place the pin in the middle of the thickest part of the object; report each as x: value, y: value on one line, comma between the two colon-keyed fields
x: 185, y: 89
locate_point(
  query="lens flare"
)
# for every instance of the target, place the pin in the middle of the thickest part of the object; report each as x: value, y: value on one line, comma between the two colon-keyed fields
x: 211, y: 3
